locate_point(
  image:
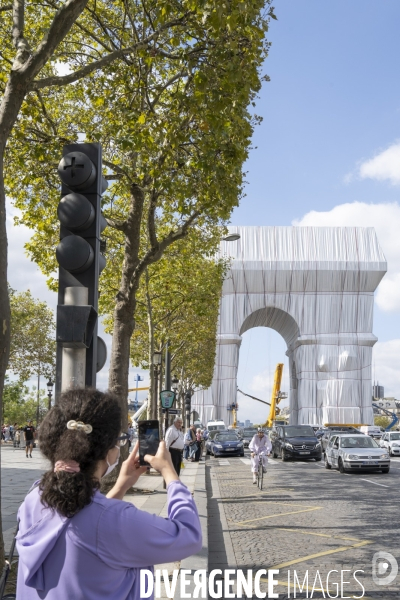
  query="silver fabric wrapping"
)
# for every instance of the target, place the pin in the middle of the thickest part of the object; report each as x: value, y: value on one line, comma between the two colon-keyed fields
x: 315, y: 286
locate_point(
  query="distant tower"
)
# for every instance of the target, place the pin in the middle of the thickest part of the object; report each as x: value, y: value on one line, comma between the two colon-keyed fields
x: 378, y: 390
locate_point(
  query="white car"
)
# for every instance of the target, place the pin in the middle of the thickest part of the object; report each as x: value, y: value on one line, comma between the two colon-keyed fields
x: 391, y: 441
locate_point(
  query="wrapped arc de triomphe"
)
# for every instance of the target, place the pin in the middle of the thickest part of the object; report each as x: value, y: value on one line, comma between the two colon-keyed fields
x: 315, y: 286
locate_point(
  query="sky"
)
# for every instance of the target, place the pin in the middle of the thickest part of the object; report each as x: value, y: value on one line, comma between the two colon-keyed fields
x: 327, y: 153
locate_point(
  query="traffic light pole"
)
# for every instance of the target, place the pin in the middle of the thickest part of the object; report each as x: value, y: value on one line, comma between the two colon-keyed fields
x: 74, y: 359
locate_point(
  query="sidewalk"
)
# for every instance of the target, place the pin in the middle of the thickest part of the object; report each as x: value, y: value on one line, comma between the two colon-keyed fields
x: 18, y: 473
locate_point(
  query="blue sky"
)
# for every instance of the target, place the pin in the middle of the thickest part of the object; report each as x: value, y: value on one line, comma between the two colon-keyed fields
x: 327, y: 152
x: 332, y: 105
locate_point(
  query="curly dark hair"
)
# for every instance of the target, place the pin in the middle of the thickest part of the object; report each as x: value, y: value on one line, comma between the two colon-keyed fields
x: 68, y: 493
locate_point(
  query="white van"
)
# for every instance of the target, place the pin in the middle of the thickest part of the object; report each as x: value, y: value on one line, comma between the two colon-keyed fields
x: 216, y: 425
x: 372, y: 430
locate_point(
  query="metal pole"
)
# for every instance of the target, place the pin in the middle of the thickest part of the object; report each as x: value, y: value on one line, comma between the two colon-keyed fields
x: 74, y: 359
x: 167, y: 368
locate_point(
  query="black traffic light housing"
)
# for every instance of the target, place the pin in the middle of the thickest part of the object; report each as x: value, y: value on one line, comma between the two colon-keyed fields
x: 79, y: 253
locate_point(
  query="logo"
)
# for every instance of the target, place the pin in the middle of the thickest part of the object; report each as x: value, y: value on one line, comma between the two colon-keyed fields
x: 381, y: 563
x: 304, y: 446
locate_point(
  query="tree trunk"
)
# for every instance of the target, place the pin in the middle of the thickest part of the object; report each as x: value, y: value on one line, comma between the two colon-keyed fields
x: 9, y: 109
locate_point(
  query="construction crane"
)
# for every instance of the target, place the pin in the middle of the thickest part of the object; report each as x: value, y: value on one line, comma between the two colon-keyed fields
x: 390, y: 414
x: 276, y: 396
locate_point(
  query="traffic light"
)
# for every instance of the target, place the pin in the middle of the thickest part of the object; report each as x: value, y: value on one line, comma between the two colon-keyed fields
x: 188, y: 402
x: 80, y: 259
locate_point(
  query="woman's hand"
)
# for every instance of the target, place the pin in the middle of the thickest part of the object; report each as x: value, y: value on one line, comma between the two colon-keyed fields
x: 162, y: 463
x: 252, y: 455
x: 128, y: 475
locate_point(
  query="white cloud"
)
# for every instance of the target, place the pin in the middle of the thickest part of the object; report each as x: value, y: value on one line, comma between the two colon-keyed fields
x: 385, y: 218
x: 385, y: 166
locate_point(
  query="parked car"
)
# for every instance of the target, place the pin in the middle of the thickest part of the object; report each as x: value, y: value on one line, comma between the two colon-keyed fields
x: 247, y: 435
x: 391, y: 441
x: 295, y: 441
x: 226, y: 442
x: 372, y: 430
x: 355, y: 452
x: 329, y: 431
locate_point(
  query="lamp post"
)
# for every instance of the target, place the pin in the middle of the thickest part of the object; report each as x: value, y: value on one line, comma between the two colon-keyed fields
x: 156, y: 370
x: 50, y: 385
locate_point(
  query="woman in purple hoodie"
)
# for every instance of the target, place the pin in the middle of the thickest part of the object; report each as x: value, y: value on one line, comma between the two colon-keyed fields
x: 73, y: 542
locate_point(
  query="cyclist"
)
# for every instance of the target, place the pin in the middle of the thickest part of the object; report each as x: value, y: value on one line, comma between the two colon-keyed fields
x: 260, y: 447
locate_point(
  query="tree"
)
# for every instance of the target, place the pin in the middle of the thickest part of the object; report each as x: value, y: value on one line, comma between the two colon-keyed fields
x: 176, y: 135
x: 89, y: 38
x: 21, y: 404
x: 178, y: 301
x: 33, y: 345
x: 382, y: 421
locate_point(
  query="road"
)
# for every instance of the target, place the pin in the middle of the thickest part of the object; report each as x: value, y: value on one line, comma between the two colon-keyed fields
x: 306, y: 518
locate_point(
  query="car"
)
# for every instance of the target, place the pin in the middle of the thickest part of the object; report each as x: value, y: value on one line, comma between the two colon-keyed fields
x: 247, y: 435
x: 329, y: 431
x: 295, y: 442
x: 216, y: 425
x: 355, y: 452
x: 226, y: 442
x: 391, y: 441
x: 209, y: 440
x: 371, y: 430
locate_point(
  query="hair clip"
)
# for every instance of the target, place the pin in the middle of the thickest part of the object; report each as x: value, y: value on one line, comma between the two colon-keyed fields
x: 79, y: 425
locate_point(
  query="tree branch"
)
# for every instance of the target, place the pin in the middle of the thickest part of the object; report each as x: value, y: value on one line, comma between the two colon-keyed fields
x: 6, y: 7
x: 151, y: 220
x: 116, y: 169
x: 119, y: 225
x: 102, y: 62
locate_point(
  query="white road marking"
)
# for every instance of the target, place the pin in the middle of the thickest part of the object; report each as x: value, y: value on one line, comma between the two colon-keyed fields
x: 224, y: 463
x: 375, y: 483
x: 246, y: 461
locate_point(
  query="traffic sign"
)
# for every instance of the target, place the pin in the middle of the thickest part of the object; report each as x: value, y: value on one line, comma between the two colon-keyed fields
x: 167, y: 398
x: 172, y: 411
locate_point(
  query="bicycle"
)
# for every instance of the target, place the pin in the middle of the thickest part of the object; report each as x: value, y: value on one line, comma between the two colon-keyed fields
x: 260, y: 474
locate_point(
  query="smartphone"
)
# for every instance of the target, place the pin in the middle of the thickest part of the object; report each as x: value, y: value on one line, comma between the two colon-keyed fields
x: 149, y: 439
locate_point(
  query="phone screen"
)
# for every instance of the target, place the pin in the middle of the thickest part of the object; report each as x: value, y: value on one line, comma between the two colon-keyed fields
x: 149, y: 439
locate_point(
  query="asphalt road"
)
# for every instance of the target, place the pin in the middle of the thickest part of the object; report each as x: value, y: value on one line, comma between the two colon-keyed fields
x: 306, y: 521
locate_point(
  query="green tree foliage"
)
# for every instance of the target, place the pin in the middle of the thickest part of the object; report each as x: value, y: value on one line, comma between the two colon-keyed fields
x: 382, y: 421
x: 173, y: 116
x: 33, y: 346
x: 21, y: 404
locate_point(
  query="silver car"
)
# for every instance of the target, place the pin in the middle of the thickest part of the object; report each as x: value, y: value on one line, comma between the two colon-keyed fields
x: 391, y: 441
x: 356, y: 452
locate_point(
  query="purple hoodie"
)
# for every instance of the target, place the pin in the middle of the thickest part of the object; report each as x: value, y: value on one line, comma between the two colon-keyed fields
x: 99, y: 552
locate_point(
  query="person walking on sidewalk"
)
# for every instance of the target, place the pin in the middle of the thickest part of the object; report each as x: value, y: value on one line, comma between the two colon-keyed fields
x: 174, y: 442
x: 29, y: 432
x: 74, y: 542
x: 260, y: 447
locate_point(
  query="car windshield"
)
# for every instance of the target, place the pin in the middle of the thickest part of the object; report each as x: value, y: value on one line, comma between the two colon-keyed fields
x: 299, y: 431
x: 395, y: 436
x: 212, y: 434
x: 358, y: 442
x: 226, y: 437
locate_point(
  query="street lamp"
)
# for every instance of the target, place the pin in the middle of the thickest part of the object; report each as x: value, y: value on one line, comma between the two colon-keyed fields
x: 50, y: 385
x: 157, y: 356
x: 232, y: 237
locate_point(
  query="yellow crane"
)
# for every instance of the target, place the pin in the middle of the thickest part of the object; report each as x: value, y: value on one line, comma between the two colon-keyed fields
x: 276, y: 396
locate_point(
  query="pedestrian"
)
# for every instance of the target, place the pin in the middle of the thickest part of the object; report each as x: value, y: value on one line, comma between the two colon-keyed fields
x: 199, y: 441
x: 260, y: 447
x: 11, y: 432
x: 192, y: 443
x: 29, y: 432
x: 187, y: 440
x: 74, y: 542
x: 174, y: 442
x: 17, y: 438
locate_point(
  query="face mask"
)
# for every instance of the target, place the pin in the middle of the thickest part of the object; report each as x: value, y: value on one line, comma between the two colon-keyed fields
x: 112, y: 467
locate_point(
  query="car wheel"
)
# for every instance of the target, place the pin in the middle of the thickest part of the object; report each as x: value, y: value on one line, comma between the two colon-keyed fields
x: 207, y: 452
x: 390, y: 452
x: 341, y: 466
x: 283, y: 455
x: 318, y: 459
x: 274, y: 454
x: 385, y: 470
x: 242, y: 454
x: 327, y: 465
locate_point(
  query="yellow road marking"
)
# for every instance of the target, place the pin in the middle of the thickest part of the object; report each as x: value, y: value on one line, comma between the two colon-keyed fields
x: 293, y: 512
x: 318, y: 554
x: 336, y: 537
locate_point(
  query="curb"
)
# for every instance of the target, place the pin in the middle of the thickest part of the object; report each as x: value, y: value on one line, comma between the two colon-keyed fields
x: 200, y: 560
